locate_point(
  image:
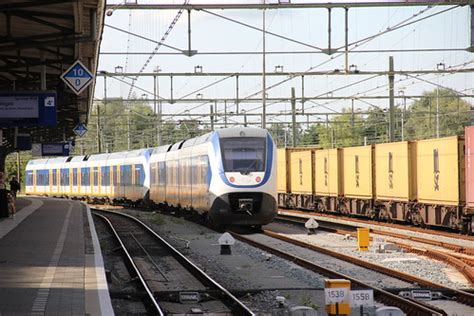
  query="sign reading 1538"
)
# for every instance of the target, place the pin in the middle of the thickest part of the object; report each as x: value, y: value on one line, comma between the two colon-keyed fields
x: 336, y: 295
x: 77, y: 77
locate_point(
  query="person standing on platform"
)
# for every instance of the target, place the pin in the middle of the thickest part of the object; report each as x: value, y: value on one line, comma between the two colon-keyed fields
x: 3, y: 196
x: 14, y: 186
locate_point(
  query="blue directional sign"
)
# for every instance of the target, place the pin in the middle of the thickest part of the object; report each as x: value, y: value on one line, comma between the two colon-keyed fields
x: 80, y: 130
x: 27, y: 108
x: 77, y: 77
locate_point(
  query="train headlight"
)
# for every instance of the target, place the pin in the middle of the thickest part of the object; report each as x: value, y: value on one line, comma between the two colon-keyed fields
x: 232, y: 179
x: 258, y: 179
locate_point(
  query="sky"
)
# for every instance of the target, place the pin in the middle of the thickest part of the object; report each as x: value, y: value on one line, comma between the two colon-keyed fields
x: 440, y: 27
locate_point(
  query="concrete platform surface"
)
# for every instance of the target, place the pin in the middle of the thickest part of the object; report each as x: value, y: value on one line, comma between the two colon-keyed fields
x: 50, y: 261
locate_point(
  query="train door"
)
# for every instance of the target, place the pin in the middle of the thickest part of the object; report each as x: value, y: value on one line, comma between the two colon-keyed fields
x: 70, y: 180
x: 79, y: 181
x: 74, y: 182
x: 134, y: 180
x: 50, y: 182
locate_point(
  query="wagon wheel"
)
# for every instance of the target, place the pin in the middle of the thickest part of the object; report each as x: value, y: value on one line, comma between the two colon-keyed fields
x: 451, y: 220
x: 385, y: 215
x: 320, y: 207
x: 341, y: 208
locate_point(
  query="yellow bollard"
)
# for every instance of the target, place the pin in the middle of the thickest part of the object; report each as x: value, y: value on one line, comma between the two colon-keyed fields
x: 337, y: 292
x: 363, y: 238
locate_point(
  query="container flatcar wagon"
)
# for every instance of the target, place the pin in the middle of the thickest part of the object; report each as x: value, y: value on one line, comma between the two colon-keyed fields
x: 425, y: 182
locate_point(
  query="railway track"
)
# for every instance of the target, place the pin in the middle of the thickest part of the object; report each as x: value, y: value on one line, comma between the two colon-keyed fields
x: 409, y: 306
x: 460, y: 296
x: 173, y: 284
x: 416, y: 229
x: 460, y: 257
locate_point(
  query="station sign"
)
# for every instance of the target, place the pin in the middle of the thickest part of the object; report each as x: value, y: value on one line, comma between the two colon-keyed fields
x: 77, y: 77
x: 51, y: 149
x: 27, y: 109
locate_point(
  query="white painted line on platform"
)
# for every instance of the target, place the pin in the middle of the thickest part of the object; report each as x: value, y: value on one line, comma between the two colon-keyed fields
x: 39, y: 304
x: 100, y: 280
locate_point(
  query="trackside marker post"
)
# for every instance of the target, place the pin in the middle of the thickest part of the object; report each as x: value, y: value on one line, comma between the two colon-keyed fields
x: 311, y: 225
x: 225, y: 241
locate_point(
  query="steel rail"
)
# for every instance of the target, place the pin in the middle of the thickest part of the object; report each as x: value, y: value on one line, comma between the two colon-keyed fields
x: 461, y: 296
x: 465, y: 269
x: 410, y: 307
x: 236, y: 306
x: 134, y: 269
x: 282, y: 211
x: 351, y: 228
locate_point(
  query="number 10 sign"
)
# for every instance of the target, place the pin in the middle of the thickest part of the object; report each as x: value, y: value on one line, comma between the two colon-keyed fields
x: 77, y: 77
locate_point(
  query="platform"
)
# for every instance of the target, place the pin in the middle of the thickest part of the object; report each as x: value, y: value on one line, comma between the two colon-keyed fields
x: 50, y: 261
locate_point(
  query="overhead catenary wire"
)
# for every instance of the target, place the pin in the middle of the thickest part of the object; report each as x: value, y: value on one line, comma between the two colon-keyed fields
x: 160, y: 43
x: 229, y: 104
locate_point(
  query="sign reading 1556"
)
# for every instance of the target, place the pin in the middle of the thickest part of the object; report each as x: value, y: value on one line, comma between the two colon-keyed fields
x: 77, y: 77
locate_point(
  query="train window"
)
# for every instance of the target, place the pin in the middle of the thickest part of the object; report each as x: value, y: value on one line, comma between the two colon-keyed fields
x: 126, y: 175
x: 390, y: 162
x: 55, y: 177
x: 95, y: 175
x: 29, y: 178
x: 45, y: 177
x: 85, y: 177
x: 436, y: 160
x: 105, y: 176
x: 138, y: 174
x: 115, y: 175
x: 243, y: 154
x: 356, y: 163
x: 64, y: 177
x: 74, y: 176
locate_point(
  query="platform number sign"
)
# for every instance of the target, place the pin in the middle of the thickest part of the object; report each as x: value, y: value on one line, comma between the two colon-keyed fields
x: 77, y: 77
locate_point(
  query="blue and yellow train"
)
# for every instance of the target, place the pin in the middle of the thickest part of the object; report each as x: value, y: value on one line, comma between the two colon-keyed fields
x: 228, y: 175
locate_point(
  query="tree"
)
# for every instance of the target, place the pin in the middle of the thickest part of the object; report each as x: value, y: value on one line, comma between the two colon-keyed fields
x: 280, y: 134
x: 454, y: 114
x: 343, y: 130
x: 311, y: 135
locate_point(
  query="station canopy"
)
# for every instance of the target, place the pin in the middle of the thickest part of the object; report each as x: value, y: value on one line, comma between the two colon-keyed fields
x: 40, y: 39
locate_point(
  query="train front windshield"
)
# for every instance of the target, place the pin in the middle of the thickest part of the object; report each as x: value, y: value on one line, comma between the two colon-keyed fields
x: 243, y: 154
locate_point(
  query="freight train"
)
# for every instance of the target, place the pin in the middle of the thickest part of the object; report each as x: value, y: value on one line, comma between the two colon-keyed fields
x: 424, y: 182
x: 228, y: 176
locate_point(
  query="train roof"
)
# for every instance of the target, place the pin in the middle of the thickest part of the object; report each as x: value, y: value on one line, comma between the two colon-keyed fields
x: 161, y: 149
x: 241, y: 131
